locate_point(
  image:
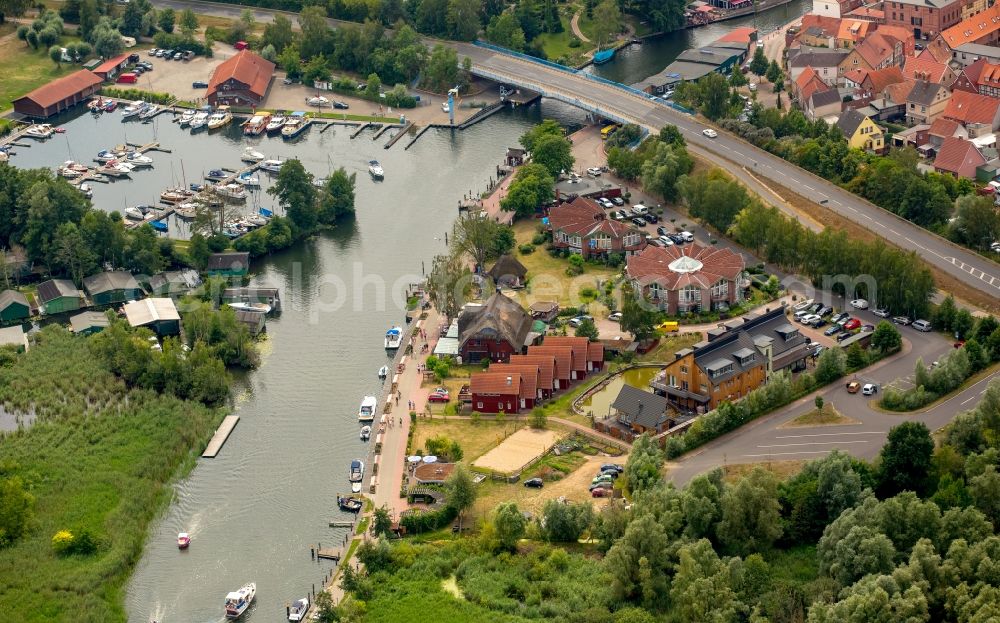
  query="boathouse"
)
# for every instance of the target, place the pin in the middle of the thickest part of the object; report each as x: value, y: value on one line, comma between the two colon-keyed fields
x: 266, y: 296
x: 57, y: 296
x: 229, y: 264
x: 89, y: 322
x: 242, y: 81
x: 58, y: 95
x: 14, y: 307
x: 174, y: 282
x: 158, y: 314
x: 109, y: 69
x: 253, y: 319
x: 14, y: 336
x: 112, y: 287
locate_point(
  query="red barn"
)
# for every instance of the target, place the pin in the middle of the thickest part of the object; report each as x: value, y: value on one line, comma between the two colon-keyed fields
x: 547, y: 378
x: 493, y: 392
x: 493, y: 331
x: 564, y: 362
x: 58, y: 95
x: 242, y: 80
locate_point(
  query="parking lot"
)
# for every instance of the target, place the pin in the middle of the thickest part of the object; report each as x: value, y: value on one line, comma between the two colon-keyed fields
x: 176, y: 77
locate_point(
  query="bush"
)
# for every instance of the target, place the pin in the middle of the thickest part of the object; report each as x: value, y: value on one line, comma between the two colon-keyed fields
x: 526, y: 249
x: 427, y: 521
x: 137, y: 94
x: 539, y: 239
x: 574, y: 42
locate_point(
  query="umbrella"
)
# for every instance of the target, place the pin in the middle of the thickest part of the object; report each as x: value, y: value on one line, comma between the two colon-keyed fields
x: 430, y: 459
x: 413, y: 459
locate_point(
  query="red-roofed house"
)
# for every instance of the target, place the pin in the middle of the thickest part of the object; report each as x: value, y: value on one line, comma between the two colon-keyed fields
x: 743, y: 34
x: 242, y: 80
x: 58, y: 95
x: 808, y: 83
x: 853, y: 32
x: 689, y: 278
x: 983, y: 28
x: 943, y: 129
x: 924, y: 18
x: 530, y: 391
x: 582, y: 352
x: 564, y: 362
x: 870, y: 85
x: 109, y: 69
x: 868, y: 14
x: 595, y: 356
x: 900, y: 34
x: 492, y: 331
x: 959, y: 157
x: 854, y: 78
x: 926, y: 68
x: 547, y: 378
x: 988, y: 82
x: 968, y: 78
x: 937, y: 50
x: 968, y: 108
x: 875, y: 52
x: 493, y: 392
x: 582, y: 227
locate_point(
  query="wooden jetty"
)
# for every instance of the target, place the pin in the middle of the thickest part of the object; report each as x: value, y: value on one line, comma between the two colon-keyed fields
x: 339, y: 523
x: 422, y: 131
x: 329, y: 553
x: 402, y: 132
x: 220, y: 436
x: 385, y: 127
x: 361, y: 128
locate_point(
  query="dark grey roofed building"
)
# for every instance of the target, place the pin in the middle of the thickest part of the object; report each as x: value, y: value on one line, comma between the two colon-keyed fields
x: 924, y: 92
x: 849, y: 121
x: 640, y: 410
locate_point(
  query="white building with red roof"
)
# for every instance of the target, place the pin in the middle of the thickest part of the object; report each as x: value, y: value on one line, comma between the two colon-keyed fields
x: 689, y: 278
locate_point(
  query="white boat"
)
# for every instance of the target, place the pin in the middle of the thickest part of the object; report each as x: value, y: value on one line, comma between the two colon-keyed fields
x: 199, y: 120
x: 366, y: 433
x: 355, y: 487
x: 272, y: 165
x: 366, y: 412
x: 318, y: 101
x: 70, y: 169
x: 186, y: 117
x: 393, y: 337
x: 296, y: 124
x: 299, y: 610
x: 107, y: 155
x: 220, y: 118
x: 259, y: 307
x: 87, y: 191
x: 248, y: 179
x: 237, y: 602
x: 40, y: 131
x: 256, y: 124
x: 149, y: 111
x: 383, y: 372
x: 357, y: 472
x: 232, y: 191
x: 133, y: 109
x: 275, y: 124
x: 251, y: 155
x: 134, y: 213
x: 138, y: 160
x: 116, y: 169
x: 257, y: 220
x: 375, y: 169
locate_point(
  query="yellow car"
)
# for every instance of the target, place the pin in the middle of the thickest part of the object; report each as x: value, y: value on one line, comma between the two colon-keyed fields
x: 670, y: 326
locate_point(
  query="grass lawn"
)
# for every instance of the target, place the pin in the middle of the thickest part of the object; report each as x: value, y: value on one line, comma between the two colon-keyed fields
x: 664, y: 351
x: 827, y: 416
x: 25, y: 69
x: 781, y: 469
x: 557, y: 45
x: 475, y: 438
x: 547, y: 278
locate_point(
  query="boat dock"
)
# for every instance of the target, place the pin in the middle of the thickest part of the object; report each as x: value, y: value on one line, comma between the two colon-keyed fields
x: 329, y: 553
x: 220, y: 436
x: 361, y: 128
x: 402, y: 132
x: 385, y: 127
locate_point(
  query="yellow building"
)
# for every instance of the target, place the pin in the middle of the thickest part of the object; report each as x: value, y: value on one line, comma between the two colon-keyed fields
x: 860, y: 131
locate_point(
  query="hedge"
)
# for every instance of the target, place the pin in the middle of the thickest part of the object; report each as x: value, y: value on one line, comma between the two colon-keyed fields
x: 428, y: 521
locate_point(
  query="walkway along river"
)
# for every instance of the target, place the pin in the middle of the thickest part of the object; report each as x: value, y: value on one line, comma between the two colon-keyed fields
x: 254, y: 511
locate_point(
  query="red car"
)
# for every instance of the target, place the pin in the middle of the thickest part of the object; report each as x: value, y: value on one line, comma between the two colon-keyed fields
x: 852, y: 324
x: 439, y: 395
x: 600, y: 493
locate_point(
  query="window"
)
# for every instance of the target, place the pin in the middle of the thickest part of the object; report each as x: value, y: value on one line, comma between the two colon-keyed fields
x: 672, y: 381
x: 720, y: 289
x: 689, y: 294
x: 684, y: 369
x: 479, y: 405
x: 703, y: 388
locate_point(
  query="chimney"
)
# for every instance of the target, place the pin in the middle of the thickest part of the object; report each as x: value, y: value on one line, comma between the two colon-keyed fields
x: 509, y: 380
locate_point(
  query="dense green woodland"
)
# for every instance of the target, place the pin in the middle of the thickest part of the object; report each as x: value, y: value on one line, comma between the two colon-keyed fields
x: 909, y: 537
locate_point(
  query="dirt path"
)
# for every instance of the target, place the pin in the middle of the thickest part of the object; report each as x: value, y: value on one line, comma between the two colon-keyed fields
x: 574, y: 24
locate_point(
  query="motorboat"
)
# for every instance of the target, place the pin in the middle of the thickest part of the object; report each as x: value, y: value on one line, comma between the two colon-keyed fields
x: 299, y: 610
x: 251, y: 155
x: 272, y: 165
x: 318, y: 101
x: 296, y: 124
x: 393, y: 338
x: 200, y: 120
x: 149, y: 112
x: 115, y: 168
x: 232, y: 191
x: 59, y: 130
x: 246, y: 306
x: 248, y: 179
x: 366, y: 412
x: 183, y: 540
x: 138, y: 160
x: 96, y: 105
x: 134, y: 213
x: 276, y: 123
x: 383, y: 372
x: 349, y: 504
x: 186, y: 117
x: 257, y: 124
x: 375, y: 169
x: 216, y: 175
x: 237, y: 602
x: 357, y: 472
x: 257, y: 220
x: 87, y: 191
x: 133, y: 109
x: 319, y: 182
x: 107, y: 155
x: 196, y: 187
x: 40, y: 131
x: 366, y: 433
x: 220, y: 118
x: 355, y: 487
x: 110, y: 105
x: 175, y: 195
x: 70, y: 169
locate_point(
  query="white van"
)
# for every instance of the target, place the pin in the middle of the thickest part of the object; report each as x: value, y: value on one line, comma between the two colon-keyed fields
x: 639, y: 209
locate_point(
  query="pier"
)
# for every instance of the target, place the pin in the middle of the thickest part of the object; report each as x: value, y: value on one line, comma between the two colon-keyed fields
x: 220, y: 436
x: 402, y: 132
x: 361, y: 128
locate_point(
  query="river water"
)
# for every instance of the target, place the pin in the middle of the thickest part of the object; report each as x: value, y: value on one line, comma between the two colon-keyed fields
x: 637, y: 62
x: 255, y: 509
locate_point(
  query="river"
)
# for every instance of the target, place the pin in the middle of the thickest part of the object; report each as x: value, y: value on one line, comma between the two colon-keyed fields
x: 637, y: 62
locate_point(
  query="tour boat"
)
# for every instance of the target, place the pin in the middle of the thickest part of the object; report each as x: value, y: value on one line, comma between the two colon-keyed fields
x: 366, y: 412
x: 251, y: 155
x: 248, y: 179
x: 256, y: 124
x: 199, y: 120
x: 366, y: 433
x: 271, y: 165
x: 39, y: 131
x: 87, y: 191
x: 393, y: 337
x: 347, y: 503
x: 232, y: 191
x: 138, y: 160
x: 383, y: 372
x: 134, y: 213
x: 275, y: 124
x: 149, y: 112
x: 298, y: 610
x: 186, y: 117
x: 237, y: 602
x: 296, y: 124
x: 110, y: 106
x: 220, y: 118
x: 375, y: 169
x: 357, y: 472
x: 183, y: 540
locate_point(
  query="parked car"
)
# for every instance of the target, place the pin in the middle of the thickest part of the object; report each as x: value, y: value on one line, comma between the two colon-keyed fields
x: 618, y: 201
x: 922, y: 325
x: 600, y: 492
x: 833, y: 329
x: 612, y: 466
x: 662, y: 231
x: 825, y: 310
x: 651, y: 218
x: 866, y: 328
x: 839, y: 317
x: 843, y: 321
x: 594, y: 171
x: 603, y: 477
x: 817, y: 322
x: 815, y: 307
x: 859, y: 304
x: 903, y: 320
x: 852, y: 324
x: 340, y: 105
x: 638, y: 221
x: 534, y: 483
x: 619, y: 215
x: 687, y: 236
x: 846, y: 335
x: 615, y: 317
x: 870, y: 389
x: 665, y: 241
x: 439, y: 395
x: 160, y: 53
x: 881, y: 312
x: 639, y: 209
x: 199, y: 84
x: 809, y: 318
x: 153, y: 51
x: 710, y: 133
x: 576, y: 321
x: 178, y: 56
x: 853, y: 387
x: 602, y: 485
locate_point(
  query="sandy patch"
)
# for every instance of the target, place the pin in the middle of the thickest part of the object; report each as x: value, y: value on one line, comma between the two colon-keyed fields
x: 518, y: 450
